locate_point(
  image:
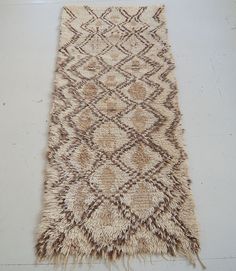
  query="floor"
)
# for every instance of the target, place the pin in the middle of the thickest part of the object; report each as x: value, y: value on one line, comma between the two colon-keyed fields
x: 203, y: 38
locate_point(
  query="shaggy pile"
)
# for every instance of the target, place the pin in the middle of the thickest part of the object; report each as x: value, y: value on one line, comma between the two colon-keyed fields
x: 116, y: 179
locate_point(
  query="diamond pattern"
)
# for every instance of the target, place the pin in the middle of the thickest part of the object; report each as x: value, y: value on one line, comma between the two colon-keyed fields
x: 90, y: 68
x: 111, y: 105
x: 109, y: 137
x: 141, y: 158
x: 116, y: 180
x: 95, y: 46
x: 114, y: 36
x: 108, y: 178
x: 137, y: 67
x: 133, y: 44
x: 139, y: 119
x: 106, y: 224
x: 112, y: 79
x: 113, y: 56
x: 143, y: 198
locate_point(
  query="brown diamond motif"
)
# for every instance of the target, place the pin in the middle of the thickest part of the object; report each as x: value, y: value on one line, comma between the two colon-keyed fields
x: 111, y: 105
x: 109, y: 137
x: 141, y: 158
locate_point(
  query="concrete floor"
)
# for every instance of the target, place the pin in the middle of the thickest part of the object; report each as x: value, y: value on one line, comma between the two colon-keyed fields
x: 203, y: 38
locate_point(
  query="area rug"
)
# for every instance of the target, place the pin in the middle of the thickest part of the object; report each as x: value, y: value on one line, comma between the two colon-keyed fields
x: 116, y: 181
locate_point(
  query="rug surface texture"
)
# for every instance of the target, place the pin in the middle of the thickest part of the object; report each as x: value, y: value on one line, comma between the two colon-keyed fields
x: 116, y: 181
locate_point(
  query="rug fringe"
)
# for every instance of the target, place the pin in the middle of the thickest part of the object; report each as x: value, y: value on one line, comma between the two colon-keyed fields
x: 200, y: 262
x: 62, y: 260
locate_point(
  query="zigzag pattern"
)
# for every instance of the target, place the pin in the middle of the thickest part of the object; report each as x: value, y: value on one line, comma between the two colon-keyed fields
x: 116, y: 180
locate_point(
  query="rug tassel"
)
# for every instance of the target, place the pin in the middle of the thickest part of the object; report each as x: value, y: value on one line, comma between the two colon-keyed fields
x: 124, y: 265
x: 128, y: 264
x: 151, y: 259
x: 200, y: 262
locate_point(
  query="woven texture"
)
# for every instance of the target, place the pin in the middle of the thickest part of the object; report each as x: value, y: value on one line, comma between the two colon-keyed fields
x: 116, y: 176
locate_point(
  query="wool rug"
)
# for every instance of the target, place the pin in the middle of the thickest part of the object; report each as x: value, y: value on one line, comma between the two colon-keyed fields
x: 116, y: 181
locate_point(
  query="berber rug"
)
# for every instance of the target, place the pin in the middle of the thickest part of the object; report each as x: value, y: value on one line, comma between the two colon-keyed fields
x: 116, y: 181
